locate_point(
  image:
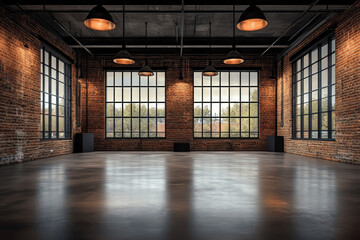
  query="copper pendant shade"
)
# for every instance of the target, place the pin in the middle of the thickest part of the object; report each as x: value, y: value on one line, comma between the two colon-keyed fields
x: 233, y: 57
x: 146, y: 71
x: 252, y: 19
x: 210, y: 71
x: 123, y: 57
x: 99, y: 19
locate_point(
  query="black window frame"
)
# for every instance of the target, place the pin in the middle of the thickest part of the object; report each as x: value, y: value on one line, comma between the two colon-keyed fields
x: 134, y: 72
x: 47, y: 73
x: 240, y: 86
x: 315, y: 94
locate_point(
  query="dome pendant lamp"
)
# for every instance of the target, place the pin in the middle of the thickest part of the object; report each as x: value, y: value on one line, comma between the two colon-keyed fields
x: 99, y: 19
x: 210, y: 70
x: 233, y: 57
x: 146, y: 71
x: 123, y: 57
x: 252, y: 19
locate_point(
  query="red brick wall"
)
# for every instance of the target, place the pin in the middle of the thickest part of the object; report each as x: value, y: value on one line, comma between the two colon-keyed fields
x: 179, y: 106
x: 20, y: 90
x: 346, y: 147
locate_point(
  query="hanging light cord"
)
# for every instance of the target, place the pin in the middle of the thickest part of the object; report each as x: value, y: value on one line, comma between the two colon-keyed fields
x: 146, y: 43
x: 210, y: 60
x: 234, y: 27
x: 123, y: 45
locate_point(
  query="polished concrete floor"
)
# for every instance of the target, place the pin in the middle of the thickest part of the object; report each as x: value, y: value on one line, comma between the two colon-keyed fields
x: 165, y: 195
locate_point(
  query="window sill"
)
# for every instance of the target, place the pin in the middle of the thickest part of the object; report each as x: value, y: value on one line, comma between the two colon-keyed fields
x: 313, y: 139
x: 54, y: 139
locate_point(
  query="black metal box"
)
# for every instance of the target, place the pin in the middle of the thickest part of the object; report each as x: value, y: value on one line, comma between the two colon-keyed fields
x: 181, y: 147
x: 84, y: 142
x: 275, y: 143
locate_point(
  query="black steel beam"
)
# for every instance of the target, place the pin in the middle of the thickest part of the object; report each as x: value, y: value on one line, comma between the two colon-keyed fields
x: 173, y: 2
x: 172, y: 41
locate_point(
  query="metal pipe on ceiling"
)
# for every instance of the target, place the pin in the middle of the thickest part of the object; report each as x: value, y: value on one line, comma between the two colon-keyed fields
x: 290, y: 27
x: 177, y: 46
x: 63, y: 28
x: 176, y: 11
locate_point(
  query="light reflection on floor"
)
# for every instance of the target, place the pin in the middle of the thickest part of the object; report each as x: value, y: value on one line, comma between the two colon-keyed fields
x: 164, y: 195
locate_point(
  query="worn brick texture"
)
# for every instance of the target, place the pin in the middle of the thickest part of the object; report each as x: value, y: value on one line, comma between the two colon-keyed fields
x: 179, y: 105
x: 20, y: 90
x: 346, y: 147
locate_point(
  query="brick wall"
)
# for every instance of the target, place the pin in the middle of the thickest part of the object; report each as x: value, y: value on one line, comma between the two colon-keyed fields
x: 20, y: 90
x: 346, y: 147
x: 179, y: 106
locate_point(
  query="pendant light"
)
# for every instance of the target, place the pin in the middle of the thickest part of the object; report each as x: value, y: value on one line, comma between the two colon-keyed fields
x: 233, y: 57
x: 210, y: 70
x: 123, y: 57
x: 252, y: 19
x: 99, y: 19
x: 146, y: 69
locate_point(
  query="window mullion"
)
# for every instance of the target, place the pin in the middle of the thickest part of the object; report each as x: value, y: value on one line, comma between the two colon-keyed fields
x: 319, y: 93
x: 329, y: 89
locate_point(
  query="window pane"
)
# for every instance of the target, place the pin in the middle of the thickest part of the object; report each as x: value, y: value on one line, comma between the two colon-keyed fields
x: 118, y: 79
x: 206, y: 96
x: 245, y: 94
x: 152, y: 94
x: 135, y: 103
x: 109, y: 110
x: 215, y: 110
x: 197, y: 109
x: 245, y: 78
x: 234, y: 125
x: 197, y: 94
x: 127, y: 94
x: 324, y: 50
x: 126, y: 79
x: 109, y: 79
x: 206, y: 109
x: 222, y: 107
x: 245, y: 111
x: 216, y: 80
x: 254, y: 125
x: 127, y: 109
x: 144, y: 110
x: 118, y: 94
x: 161, y: 78
x: 215, y: 94
x: 197, y: 124
x: 161, y: 94
x: 118, y: 125
x: 57, y: 85
x: 253, y: 78
x: 161, y: 109
x: 197, y: 79
x: 234, y: 94
x: 245, y: 124
x: 316, y: 98
x: 234, y: 110
x: 234, y: 79
x: 224, y: 78
x: 118, y: 110
x: 224, y: 94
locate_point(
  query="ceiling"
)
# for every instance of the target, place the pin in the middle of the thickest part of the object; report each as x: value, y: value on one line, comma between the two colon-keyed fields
x: 65, y: 19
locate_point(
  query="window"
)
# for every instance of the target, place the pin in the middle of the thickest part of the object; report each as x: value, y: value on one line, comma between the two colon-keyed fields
x: 135, y: 106
x: 55, y: 96
x: 227, y: 105
x: 314, y: 92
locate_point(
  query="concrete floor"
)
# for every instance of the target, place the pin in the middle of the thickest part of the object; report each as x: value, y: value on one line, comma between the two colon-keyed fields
x: 165, y: 195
